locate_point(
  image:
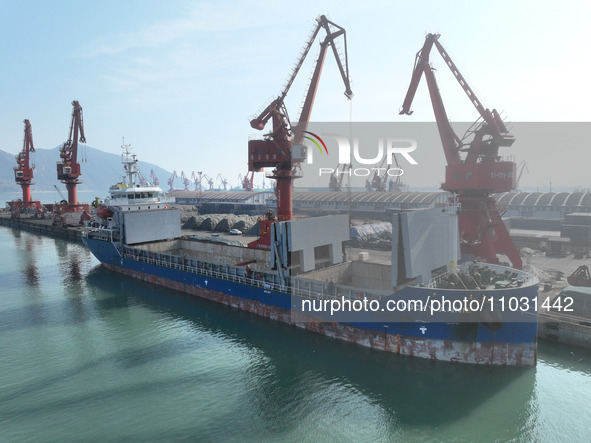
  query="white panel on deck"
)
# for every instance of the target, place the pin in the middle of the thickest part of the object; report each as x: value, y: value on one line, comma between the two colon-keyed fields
x: 309, y: 233
x: 430, y: 240
x: 145, y: 226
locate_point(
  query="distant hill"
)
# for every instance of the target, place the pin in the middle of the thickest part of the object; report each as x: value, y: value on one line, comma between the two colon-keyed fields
x: 99, y: 171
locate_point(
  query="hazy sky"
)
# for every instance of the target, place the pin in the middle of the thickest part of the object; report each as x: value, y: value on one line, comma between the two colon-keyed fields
x: 180, y: 79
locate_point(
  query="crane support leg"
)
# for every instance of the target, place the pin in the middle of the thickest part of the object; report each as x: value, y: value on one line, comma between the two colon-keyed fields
x: 26, y: 193
x: 72, y: 193
x: 482, y: 231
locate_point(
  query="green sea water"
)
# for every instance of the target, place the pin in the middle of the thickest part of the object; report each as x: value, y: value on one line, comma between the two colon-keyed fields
x: 90, y: 355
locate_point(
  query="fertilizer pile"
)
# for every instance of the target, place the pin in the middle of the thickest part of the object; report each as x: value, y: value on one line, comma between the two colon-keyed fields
x: 220, y: 222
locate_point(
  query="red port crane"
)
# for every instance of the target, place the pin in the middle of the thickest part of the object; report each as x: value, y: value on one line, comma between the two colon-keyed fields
x: 153, y: 177
x: 68, y: 169
x: 185, y: 180
x: 478, y: 174
x: 23, y: 172
x: 247, y: 181
x: 171, y: 181
x: 143, y: 181
x: 276, y: 149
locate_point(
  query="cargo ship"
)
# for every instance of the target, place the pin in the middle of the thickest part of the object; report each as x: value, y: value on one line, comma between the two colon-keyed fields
x: 309, y: 271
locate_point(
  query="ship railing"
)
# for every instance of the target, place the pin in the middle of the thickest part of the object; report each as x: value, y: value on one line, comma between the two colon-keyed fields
x: 262, y: 279
x: 266, y: 280
x: 311, y: 289
x: 99, y: 234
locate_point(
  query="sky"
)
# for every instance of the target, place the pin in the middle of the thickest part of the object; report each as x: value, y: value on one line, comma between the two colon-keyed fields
x: 180, y: 80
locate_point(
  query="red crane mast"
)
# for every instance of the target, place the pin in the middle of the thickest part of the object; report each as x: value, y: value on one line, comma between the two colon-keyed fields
x: 153, y: 177
x: 479, y: 174
x: 68, y: 169
x: 23, y: 172
x: 276, y: 149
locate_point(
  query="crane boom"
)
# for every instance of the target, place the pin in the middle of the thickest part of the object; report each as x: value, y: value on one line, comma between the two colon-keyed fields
x: 493, y: 125
x: 276, y: 149
x: 321, y: 22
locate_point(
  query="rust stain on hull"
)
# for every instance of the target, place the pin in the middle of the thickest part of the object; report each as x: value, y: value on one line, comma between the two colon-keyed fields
x: 499, y: 353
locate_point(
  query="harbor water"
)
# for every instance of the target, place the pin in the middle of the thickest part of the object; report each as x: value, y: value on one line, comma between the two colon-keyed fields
x: 90, y: 355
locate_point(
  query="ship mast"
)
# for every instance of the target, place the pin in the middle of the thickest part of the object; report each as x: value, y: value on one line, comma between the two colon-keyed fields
x: 129, y: 162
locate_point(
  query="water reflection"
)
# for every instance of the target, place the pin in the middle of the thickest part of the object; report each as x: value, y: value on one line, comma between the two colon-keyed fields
x: 296, y: 372
x: 26, y: 247
x: 31, y: 274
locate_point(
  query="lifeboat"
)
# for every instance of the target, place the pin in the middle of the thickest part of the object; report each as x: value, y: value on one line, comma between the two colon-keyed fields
x: 104, y: 211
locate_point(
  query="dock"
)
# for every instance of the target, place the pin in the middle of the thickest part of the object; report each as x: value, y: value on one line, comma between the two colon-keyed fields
x: 46, y: 226
x: 558, y: 325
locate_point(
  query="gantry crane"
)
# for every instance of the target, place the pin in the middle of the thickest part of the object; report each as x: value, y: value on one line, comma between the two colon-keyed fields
x: 171, y: 181
x: 276, y: 149
x: 479, y: 174
x: 23, y: 172
x: 335, y: 182
x: 143, y: 181
x: 378, y: 183
x: 185, y: 180
x: 153, y: 177
x: 196, y: 180
x: 68, y: 169
x: 247, y: 182
x: 396, y: 184
x: 209, y: 181
x: 223, y: 181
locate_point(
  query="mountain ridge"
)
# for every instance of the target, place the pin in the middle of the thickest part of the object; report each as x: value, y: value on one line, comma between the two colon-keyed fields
x: 99, y: 170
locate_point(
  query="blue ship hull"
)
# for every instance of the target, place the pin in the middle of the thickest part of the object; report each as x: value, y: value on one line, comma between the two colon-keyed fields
x: 511, y: 343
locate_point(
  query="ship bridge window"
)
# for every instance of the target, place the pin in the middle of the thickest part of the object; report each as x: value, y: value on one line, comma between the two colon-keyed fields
x: 144, y: 195
x: 130, y: 196
x: 138, y: 195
